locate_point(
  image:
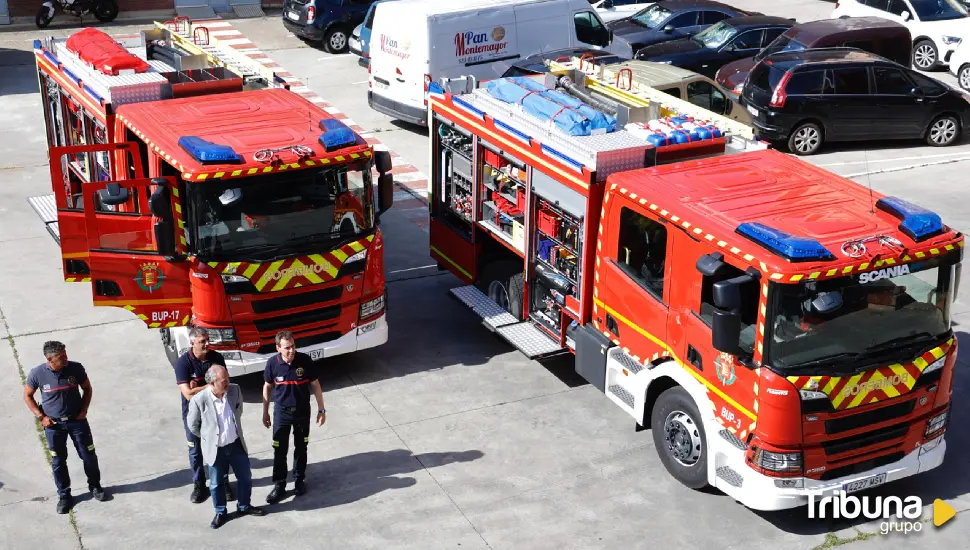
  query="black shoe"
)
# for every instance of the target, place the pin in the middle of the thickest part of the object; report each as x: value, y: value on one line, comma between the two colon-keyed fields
x: 199, y: 492
x: 64, y: 504
x: 300, y: 488
x: 218, y: 521
x: 252, y: 511
x: 230, y: 494
x: 276, y: 494
x: 98, y: 494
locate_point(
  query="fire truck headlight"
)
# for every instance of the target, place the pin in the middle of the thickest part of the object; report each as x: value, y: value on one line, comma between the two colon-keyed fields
x: 234, y: 279
x: 360, y: 256
x: 222, y: 336
x: 787, y: 463
x: 808, y: 395
x: 372, y: 307
x: 936, y: 424
x: 935, y: 365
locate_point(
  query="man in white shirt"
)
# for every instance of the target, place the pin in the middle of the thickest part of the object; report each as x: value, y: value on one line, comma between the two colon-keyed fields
x: 214, y: 417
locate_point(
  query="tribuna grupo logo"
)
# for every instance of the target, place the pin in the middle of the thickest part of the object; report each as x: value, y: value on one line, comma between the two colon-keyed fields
x: 899, y: 514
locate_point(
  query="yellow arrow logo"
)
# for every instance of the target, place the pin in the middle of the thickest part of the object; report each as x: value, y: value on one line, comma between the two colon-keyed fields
x: 942, y: 512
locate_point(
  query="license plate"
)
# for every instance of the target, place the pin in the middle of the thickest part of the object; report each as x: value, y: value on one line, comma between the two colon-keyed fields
x: 381, y: 85
x: 316, y: 354
x: 293, y: 15
x: 752, y: 110
x: 866, y: 483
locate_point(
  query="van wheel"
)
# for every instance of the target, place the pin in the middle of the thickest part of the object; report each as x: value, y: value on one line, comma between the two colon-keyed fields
x: 805, y: 139
x: 924, y: 55
x: 504, y: 284
x: 964, y: 77
x: 336, y: 40
x: 943, y: 131
x: 679, y: 436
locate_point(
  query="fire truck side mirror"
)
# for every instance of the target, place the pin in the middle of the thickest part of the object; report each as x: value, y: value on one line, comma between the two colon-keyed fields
x: 160, y: 203
x: 382, y: 161
x: 385, y: 192
x: 165, y: 238
x: 726, y: 332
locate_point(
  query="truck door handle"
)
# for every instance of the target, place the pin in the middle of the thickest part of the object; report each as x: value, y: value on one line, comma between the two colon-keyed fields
x: 611, y: 325
x: 695, y: 358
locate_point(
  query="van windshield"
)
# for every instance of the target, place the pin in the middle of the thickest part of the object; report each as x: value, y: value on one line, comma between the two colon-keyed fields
x: 783, y: 43
x: 938, y: 10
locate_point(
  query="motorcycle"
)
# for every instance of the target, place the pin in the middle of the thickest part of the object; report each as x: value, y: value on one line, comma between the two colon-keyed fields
x: 104, y: 10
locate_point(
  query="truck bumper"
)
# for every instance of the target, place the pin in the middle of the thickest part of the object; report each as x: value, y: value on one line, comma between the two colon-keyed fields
x: 397, y: 109
x: 760, y: 492
x: 369, y: 335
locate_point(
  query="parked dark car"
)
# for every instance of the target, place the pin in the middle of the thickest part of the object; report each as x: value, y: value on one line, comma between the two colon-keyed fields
x: 534, y: 64
x: 872, y: 34
x: 845, y: 94
x: 328, y: 21
x: 670, y: 20
x: 721, y: 43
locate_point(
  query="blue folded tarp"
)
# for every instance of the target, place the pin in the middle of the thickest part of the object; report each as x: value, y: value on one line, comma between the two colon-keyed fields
x: 568, y: 113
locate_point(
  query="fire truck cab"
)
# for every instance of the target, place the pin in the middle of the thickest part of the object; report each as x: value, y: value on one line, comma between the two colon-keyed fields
x: 197, y: 197
x: 781, y: 330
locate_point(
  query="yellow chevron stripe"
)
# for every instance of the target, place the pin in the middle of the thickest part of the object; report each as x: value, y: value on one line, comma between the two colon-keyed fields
x: 267, y: 276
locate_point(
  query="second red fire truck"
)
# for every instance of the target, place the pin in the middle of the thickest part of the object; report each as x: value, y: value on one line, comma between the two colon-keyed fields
x: 191, y: 195
x: 783, y: 331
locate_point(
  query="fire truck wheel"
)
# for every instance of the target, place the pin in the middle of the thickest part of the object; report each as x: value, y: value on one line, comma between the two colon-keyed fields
x: 503, y: 283
x: 678, y: 433
x: 170, y: 347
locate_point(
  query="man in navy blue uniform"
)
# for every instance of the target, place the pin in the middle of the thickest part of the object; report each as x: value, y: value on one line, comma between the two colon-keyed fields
x: 190, y: 372
x: 64, y: 414
x: 288, y: 379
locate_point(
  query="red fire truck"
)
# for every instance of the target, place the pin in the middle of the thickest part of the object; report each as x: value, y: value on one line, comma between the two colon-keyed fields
x: 191, y: 195
x: 783, y: 331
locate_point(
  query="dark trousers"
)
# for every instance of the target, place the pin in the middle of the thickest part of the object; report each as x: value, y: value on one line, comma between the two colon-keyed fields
x: 80, y: 433
x: 196, y: 464
x: 231, y: 456
x: 285, y: 418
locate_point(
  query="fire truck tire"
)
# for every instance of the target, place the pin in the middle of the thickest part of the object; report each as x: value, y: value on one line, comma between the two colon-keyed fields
x: 680, y: 438
x: 503, y: 283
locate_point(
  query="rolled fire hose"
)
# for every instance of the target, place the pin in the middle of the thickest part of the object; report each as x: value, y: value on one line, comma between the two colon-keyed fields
x: 574, y: 90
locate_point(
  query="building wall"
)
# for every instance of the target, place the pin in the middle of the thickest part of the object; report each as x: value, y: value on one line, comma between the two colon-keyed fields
x: 29, y: 8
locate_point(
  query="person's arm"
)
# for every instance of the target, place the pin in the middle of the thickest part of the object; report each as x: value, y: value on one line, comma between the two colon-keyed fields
x: 85, y: 398
x: 188, y: 391
x: 318, y: 393
x: 183, y: 377
x: 267, y: 388
x: 34, y: 408
x: 194, y: 418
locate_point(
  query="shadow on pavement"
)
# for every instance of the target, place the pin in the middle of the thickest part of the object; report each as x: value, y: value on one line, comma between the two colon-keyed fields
x: 949, y: 481
x: 356, y: 477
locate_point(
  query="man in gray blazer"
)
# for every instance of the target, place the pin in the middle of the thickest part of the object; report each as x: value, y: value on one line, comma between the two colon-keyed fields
x: 214, y: 417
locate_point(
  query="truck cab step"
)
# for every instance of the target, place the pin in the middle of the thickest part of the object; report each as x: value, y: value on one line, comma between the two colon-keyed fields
x: 46, y: 208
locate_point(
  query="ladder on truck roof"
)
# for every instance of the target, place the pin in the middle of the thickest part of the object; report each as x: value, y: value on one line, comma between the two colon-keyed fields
x: 621, y: 86
x: 197, y: 40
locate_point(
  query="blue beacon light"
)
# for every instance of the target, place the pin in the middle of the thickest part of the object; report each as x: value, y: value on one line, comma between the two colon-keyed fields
x: 207, y: 152
x: 917, y: 222
x: 336, y: 135
x: 792, y: 248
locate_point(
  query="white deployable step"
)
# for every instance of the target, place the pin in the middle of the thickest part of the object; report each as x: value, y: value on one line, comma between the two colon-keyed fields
x: 524, y: 335
x: 46, y: 208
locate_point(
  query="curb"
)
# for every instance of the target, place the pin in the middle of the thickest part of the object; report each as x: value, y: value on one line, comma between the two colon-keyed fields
x: 406, y: 176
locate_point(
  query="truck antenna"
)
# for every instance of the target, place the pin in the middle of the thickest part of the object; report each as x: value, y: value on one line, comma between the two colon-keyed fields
x: 872, y: 203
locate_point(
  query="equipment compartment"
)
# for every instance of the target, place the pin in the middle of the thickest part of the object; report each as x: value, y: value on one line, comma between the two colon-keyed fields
x: 453, y: 176
x: 503, y: 189
x: 557, y: 261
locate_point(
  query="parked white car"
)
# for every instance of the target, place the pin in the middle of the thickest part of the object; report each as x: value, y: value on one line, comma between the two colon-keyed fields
x: 938, y: 26
x: 611, y: 10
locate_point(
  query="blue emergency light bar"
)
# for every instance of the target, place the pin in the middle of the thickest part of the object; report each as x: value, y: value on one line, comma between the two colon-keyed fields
x: 207, y: 152
x: 336, y: 135
x: 917, y: 222
x: 790, y: 247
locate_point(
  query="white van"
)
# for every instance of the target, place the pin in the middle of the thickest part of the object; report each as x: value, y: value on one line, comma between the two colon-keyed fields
x: 415, y: 42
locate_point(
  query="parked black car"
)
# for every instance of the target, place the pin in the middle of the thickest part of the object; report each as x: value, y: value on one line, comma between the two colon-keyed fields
x: 328, y: 21
x: 721, y: 43
x: 670, y: 20
x: 535, y: 64
x: 821, y: 95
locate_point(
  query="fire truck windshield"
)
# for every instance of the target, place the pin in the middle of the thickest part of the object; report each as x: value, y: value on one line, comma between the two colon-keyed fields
x: 280, y: 213
x: 873, y: 316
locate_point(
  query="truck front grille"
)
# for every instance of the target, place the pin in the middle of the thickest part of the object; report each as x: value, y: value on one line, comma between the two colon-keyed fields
x: 298, y: 300
x: 863, y: 466
x: 851, y: 422
x: 867, y: 439
x: 296, y: 319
